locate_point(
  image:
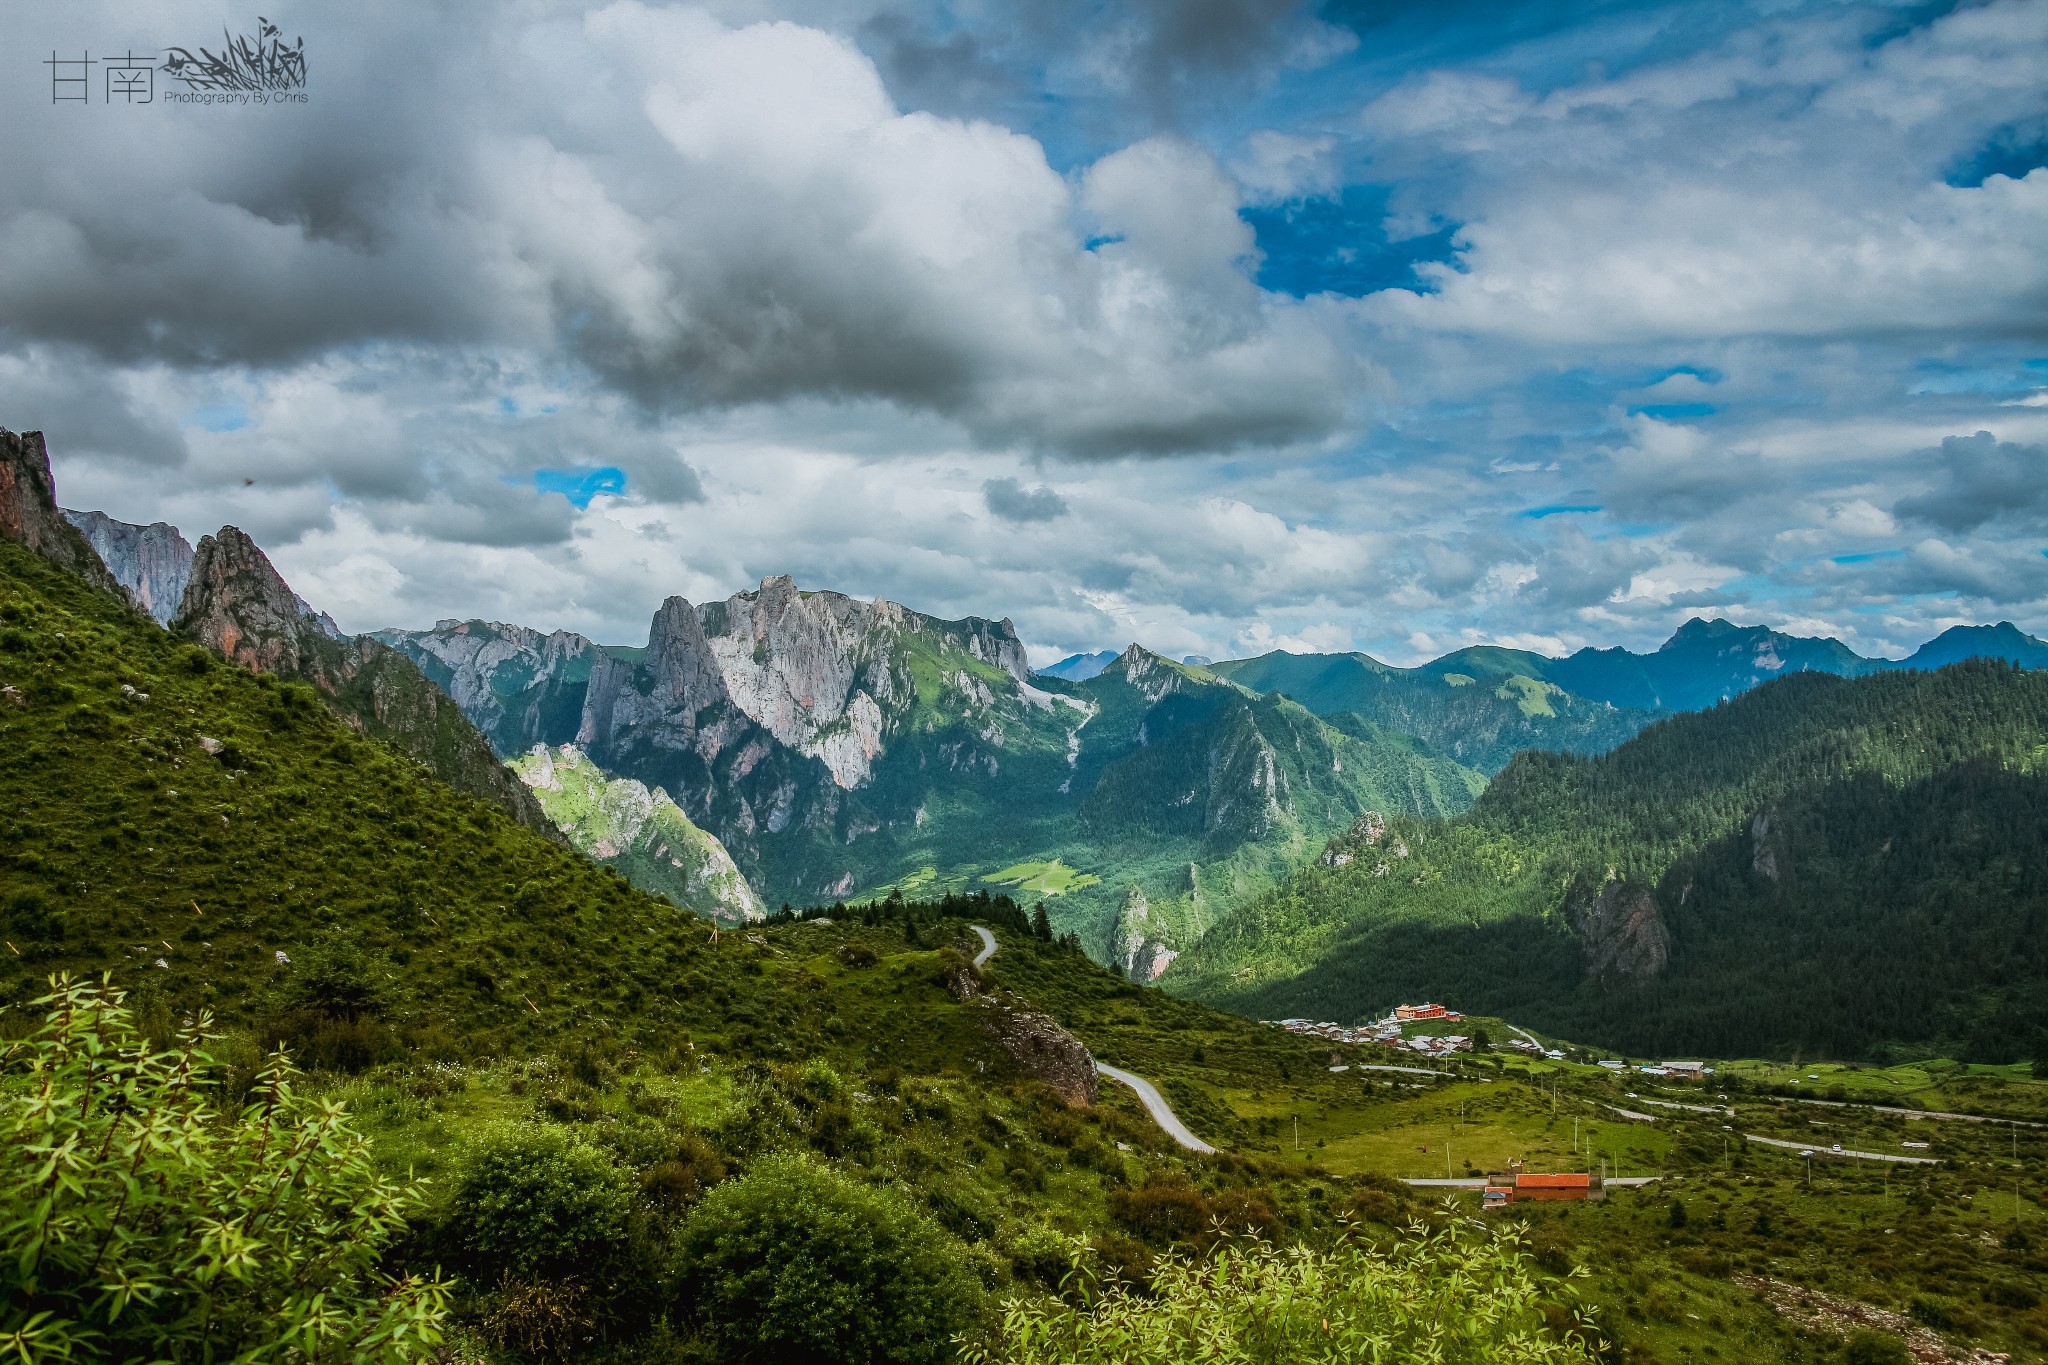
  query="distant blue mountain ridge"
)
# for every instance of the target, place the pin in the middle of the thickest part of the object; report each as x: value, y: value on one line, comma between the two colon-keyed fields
x: 1705, y: 662
x: 1483, y: 704
x: 1079, y: 667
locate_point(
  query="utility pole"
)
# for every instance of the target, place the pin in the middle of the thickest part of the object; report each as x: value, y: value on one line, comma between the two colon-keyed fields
x: 1297, y: 1132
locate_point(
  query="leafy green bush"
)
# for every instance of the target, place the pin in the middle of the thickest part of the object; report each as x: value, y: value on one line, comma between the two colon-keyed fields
x: 793, y: 1263
x: 140, y: 1222
x: 1450, y: 1297
x: 535, y: 1205
x: 1866, y: 1347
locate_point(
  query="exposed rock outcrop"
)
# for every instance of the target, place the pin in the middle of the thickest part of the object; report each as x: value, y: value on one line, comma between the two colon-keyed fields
x: 29, y: 514
x: 1042, y: 1049
x: 1620, y: 931
x: 1762, y: 857
x: 239, y: 604
x: 1139, y: 950
x: 152, y: 563
x: 1035, y: 1041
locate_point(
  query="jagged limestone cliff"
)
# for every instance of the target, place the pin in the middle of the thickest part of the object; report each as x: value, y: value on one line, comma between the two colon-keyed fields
x: 838, y: 747
x: 153, y: 563
x: 642, y: 833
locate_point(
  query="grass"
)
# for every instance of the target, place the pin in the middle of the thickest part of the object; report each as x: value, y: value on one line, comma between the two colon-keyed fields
x: 1053, y: 878
x: 518, y: 983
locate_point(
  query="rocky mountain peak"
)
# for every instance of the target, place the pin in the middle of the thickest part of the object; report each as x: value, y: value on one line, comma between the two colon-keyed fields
x: 29, y: 514
x: 152, y: 563
x: 237, y: 602
x: 682, y: 659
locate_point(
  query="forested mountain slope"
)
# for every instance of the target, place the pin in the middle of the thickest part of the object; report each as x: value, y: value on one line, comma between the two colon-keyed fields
x: 1485, y: 703
x: 1479, y: 706
x: 1822, y: 864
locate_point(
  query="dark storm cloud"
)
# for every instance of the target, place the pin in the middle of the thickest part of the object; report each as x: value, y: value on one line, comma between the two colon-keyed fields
x: 1980, y: 479
x: 88, y: 412
x: 693, y: 215
x: 1012, y: 501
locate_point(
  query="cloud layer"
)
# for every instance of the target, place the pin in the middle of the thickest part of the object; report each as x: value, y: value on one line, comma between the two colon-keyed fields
x: 548, y: 312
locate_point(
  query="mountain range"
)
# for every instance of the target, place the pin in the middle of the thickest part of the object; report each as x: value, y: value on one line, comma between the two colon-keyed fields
x: 835, y: 747
x: 803, y: 746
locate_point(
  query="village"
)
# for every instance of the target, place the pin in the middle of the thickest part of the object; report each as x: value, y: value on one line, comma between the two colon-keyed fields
x: 1387, y: 1032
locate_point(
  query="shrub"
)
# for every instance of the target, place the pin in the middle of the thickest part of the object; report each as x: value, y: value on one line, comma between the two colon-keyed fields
x: 1165, y: 1209
x: 1866, y: 1347
x: 795, y: 1264
x: 140, y: 1222
x: 534, y: 1205
x: 1452, y: 1298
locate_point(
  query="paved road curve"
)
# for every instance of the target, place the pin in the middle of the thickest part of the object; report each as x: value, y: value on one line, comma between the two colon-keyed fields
x: 1819, y: 1150
x: 1156, y: 1105
x: 1148, y: 1095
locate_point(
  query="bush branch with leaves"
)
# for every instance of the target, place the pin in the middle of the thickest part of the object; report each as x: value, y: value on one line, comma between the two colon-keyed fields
x: 141, y: 1219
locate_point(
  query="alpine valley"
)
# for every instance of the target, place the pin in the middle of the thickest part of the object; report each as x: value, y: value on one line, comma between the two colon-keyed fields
x: 574, y: 1091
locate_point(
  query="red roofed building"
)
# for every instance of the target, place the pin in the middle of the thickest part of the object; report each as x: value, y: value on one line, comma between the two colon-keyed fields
x: 1513, y: 1186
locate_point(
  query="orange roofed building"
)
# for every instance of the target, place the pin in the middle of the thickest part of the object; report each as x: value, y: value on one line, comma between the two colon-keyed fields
x: 1515, y: 1185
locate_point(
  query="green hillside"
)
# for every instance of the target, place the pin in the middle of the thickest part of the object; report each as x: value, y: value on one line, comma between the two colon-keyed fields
x: 607, y: 1103
x: 1828, y: 865
x: 1478, y: 706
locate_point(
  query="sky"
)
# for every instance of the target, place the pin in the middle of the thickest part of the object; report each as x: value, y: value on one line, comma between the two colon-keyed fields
x: 1219, y: 325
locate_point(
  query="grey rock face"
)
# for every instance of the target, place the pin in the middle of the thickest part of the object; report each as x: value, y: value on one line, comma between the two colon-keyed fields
x: 813, y: 669
x: 1620, y: 931
x: 152, y: 562
x: 756, y: 713
x: 520, y: 687
x: 29, y: 515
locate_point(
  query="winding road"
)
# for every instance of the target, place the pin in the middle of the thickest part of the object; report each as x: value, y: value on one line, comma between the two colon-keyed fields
x: 1156, y: 1105
x: 1148, y: 1094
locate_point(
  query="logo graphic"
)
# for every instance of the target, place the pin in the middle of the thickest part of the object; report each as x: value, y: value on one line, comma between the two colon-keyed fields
x: 264, y: 64
x: 262, y: 69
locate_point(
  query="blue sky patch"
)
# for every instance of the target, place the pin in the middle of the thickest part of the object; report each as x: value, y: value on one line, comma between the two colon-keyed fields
x: 1866, y: 556
x: 581, y: 483
x: 1673, y: 412
x: 2013, y: 150
x: 1557, y: 510
x: 1338, y: 245
x: 218, y: 417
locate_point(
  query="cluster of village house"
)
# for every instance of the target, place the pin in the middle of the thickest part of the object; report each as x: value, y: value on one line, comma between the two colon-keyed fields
x: 1514, y: 1184
x: 1387, y: 1033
